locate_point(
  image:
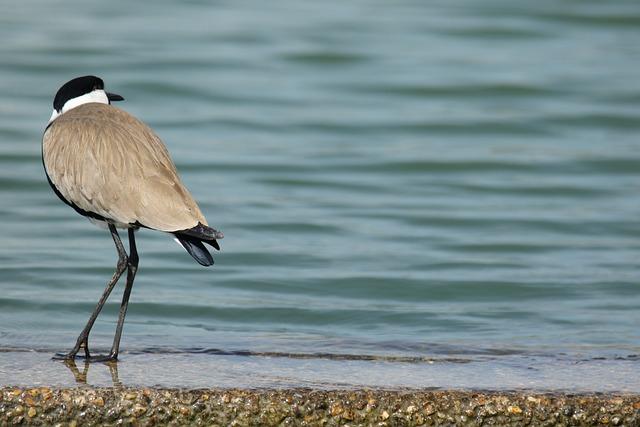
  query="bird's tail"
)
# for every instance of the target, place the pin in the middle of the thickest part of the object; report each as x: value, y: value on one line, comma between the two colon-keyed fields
x: 192, y: 240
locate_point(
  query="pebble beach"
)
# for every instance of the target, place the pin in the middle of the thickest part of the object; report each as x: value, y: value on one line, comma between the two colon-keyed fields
x: 89, y: 406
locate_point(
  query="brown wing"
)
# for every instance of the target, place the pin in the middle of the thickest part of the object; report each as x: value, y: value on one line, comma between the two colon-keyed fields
x: 107, y: 162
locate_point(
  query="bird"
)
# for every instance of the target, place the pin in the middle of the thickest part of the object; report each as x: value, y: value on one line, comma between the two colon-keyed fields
x: 111, y: 168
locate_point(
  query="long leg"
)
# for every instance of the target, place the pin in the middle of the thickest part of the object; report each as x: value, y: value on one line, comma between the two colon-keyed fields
x: 83, y: 339
x: 131, y: 274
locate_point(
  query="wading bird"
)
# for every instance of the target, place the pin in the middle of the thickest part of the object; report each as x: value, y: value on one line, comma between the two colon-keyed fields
x: 111, y: 168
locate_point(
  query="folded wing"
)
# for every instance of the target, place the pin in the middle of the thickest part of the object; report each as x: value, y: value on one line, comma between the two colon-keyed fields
x: 107, y: 162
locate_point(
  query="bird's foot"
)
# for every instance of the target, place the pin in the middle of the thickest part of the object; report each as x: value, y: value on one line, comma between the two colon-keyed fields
x: 64, y: 356
x: 68, y: 357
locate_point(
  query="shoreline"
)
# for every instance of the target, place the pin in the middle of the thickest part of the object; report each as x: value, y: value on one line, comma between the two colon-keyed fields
x: 87, y: 405
x: 194, y: 371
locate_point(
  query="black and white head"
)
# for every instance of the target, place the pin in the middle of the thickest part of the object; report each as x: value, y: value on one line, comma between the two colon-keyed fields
x: 78, y: 91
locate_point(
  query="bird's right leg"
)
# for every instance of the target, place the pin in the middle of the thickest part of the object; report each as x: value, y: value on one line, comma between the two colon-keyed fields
x: 123, y: 260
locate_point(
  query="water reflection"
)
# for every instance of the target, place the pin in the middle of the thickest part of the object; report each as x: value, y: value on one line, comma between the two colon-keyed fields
x: 80, y: 377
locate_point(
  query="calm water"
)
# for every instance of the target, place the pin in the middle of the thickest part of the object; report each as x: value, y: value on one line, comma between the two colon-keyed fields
x: 400, y: 179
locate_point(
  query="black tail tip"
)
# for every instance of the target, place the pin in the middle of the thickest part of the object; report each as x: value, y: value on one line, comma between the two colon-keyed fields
x: 202, y: 232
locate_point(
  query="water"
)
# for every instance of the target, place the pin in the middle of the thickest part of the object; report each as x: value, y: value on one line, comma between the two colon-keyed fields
x: 420, y: 180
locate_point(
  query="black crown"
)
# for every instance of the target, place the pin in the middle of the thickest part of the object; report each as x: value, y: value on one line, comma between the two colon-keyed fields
x: 75, y: 88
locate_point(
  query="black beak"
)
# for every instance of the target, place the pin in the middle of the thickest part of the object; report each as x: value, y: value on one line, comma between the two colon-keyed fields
x: 114, y: 97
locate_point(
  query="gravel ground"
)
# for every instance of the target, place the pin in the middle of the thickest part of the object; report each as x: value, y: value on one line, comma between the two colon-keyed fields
x: 86, y: 406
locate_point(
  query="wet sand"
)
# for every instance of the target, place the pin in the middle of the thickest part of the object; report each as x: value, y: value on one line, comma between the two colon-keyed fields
x: 155, y: 406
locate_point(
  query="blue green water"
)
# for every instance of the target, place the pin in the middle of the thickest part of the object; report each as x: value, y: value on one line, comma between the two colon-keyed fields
x: 402, y: 179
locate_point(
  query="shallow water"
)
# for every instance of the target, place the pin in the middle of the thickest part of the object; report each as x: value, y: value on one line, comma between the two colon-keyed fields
x: 416, y: 179
x: 199, y: 368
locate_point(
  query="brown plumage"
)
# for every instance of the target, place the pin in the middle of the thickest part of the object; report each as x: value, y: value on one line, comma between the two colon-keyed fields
x: 111, y: 164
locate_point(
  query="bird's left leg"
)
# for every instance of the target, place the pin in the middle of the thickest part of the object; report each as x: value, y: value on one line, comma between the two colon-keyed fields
x: 131, y: 274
